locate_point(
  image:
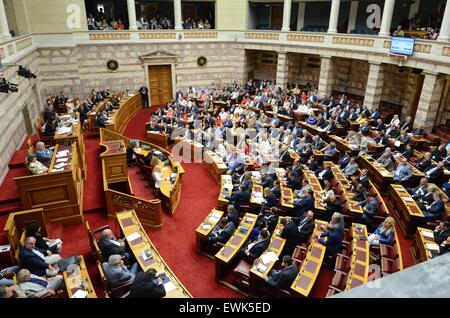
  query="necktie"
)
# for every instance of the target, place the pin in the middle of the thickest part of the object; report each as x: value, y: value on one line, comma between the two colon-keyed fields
x: 302, y: 224
x: 41, y: 282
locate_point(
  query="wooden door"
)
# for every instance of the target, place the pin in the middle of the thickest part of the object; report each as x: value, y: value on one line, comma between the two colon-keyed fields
x: 276, y: 16
x: 149, y: 10
x: 160, y: 80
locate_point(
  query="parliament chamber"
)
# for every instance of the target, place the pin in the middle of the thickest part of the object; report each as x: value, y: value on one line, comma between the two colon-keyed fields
x: 223, y: 148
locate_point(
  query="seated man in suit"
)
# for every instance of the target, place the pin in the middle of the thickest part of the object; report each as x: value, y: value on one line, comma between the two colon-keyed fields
x: 439, y: 153
x: 222, y: 232
x: 441, y: 232
x: 344, y: 160
x: 446, y: 188
x: 43, y: 155
x: 283, y: 279
x: 424, y: 162
x: 305, y: 227
x: 330, y: 150
x: 325, y: 173
x: 332, y: 205
x: 300, y: 194
x: 36, y: 286
x: 117, y: 273
x: 305, y: 204
x: 379, y: 126
x: 436, y: 209
x: 109, y: 245
x: 419, y: 191
x: 147, y: 285
x: 333, y: 243
x: 268, y: 219
x: 317, y: 143
x: 253, y: 250
x: 37, y: 261
x: 240, y: 197
x: 351, y: 168
x: 386, y: 162
x: 408, y: 153
x: 233, y: 215
x: 435, y: 172
x: 403, y: 172
x: 370, y: 208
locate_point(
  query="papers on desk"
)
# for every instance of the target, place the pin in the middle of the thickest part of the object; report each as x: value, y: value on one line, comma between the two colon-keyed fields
x: 60, y: 165
x: 428, y: 234
x: 384, y: 173
x: 63, y: 130
x: 146, y: 254
x: 206, y: 227
x: 157, y: 152
x: 169, y: 287
x: 216, y: 214
x: 214, y: 218
x: 62, y: 153
x: 55, y: 242
x: 432, y: 246
x: 250, y: 219
x: 64, y: 159
x: 261, y: 267
x: 269, y: 257
x: 57, y: 170
x: 408, y: 199
x: 133, y: 236
x: 228, y: 187
x: 80, y: 294
x: 376, y: 164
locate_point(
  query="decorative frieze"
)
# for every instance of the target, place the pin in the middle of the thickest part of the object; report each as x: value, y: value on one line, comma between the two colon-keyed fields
x: 157, y: 35
x: 261, y: 36
x: 306, y: 38
x: 109, y: 36
x: 201, y: 35
x: 10, y: 49
x: 353, y: 41
x: 446, y: 51
x: 422, y: 48
x: 2, y: 53
x: 22, y: 44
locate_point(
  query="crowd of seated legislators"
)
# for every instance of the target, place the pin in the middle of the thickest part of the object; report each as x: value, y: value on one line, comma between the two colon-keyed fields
x: 261, y: 116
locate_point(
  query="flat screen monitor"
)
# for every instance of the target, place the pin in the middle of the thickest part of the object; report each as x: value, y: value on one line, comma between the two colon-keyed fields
x: 401, y: 45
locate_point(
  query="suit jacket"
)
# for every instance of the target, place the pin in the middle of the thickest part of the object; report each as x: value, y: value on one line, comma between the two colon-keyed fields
x: 333, y: 243
x: 117, y: 275
x: 141, y: 288
x: 370, y: 208
x: 344, y: 161
x: 306, y: 230
x: 441, y: 236
x: 284, y: 278
x: 407, y: 126
x: 224, y: 234
x: 436, y: 174
x: 365, y: 182
x: 258, y: 249
x: 403, y: 173
x: 380, y: 127
x: 239, y: 198
x: 327, y: 175
x: 35, y: 264
x: 437, y: 208
x: 350, y: 169
x: 267, y: 182
x: 107, y: 248
x: 291, y: 234
x: 304, y: 205
x: 423, y: 165
x: 318, y: 144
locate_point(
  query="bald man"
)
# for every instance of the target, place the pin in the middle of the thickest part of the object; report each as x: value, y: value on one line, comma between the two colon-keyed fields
x: 109, y: 245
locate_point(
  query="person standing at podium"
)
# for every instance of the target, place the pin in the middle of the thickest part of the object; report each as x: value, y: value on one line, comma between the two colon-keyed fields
x: 144, y: 96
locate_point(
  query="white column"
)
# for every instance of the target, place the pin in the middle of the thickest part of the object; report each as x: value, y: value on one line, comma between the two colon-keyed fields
x: 287, y: 16
x: 444, y: 34
x: 386, y: 21
x: 325, y: 87
x: 177, y: 14
x: 430, y: 97
x: 334, y: 16
x: 4, y: 28
x: 282, y: 69
x: 352, y: 16
x: 131, y: 15
x: 301, y: 15
x: 374, y: 87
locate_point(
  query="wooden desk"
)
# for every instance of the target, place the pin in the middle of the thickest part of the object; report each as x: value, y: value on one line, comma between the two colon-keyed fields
x: 227, y: 253
x: 158, y: 138
x: 359, y: 270
x: 405, y: 209
x: 226, y: 188
x: 59, y: 192
x: 424, y: 245
x: 311, y: 265
x: 261, y: 270
x: 206, y: 227
x: 317, y: 190
x: 129, y: 224
x: 287, y: 197
x: 381, y: 177
x: 118, y: 120
x: 214, y: 164
x: 75, y: 282
x: 346, y: 194
x: 343, y: 145
x: 74, y: 136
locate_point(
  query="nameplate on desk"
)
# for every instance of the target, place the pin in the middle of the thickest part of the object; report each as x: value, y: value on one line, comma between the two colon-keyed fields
x: 127, y: 222
x: 134, y: 238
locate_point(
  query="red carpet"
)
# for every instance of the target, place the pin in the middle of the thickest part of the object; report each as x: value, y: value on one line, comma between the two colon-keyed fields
x: 94, y: 198
x: 8, y: 190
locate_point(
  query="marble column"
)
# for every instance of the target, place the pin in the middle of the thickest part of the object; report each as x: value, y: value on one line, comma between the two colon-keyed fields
x: 374, y: 87
x: 430, y: 97
x: 386, y: 20
x: 131, y: 15
x: 177, y: 14
x: 301, y: 15
x: 282, y: 70
x: 287, y: 16
x: 352, y: 16
x: 4, y: 28
x: 334, y: 16
x: 444, y: 34
x: 326, y: 77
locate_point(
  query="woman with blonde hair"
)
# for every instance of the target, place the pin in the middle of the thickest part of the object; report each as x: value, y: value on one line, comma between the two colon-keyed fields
x: 384, y: 232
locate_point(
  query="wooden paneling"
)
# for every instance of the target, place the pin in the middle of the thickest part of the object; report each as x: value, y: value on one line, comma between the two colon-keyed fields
x: 276, y: 16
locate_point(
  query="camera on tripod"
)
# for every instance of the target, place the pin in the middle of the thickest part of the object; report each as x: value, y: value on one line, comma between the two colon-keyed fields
x: 25, y: 72
x: 7, y: 86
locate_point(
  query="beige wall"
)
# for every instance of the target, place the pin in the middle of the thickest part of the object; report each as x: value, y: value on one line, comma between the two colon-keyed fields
x: 231, y: 14
x: 11, y: 16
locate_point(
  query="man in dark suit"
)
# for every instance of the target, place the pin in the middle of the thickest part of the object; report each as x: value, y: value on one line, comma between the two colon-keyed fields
x: 380, y: 126
x: 333, y: 243
x: 343, y: 161
x: 325, y: 173
x: 441, y: 232
x: 284, y: 278
x: 240, y: 197
x: 222, y: 232
x: 144, y: 96
x: 266, y: 180
x: 435, y: 210
x: 332, y: 204
x: 291, y: 234
x: 34, y: 259
x: 253, y: 250
x: 419, y: 191
x: 109, y: 245
x: 407, y: 125
x: 364, y: 179
x: 233, y: 215
x: 147, y: 285
x: 424, y: 162
x: 305, y: 227
x: 435, y: 172
x: 317, y: 143
x: 370, y: 208
x: 304, y: 204
x: 439, y: 153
